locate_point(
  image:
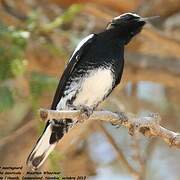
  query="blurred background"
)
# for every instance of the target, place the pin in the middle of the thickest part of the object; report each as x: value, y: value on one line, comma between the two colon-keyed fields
x: 36, y: 40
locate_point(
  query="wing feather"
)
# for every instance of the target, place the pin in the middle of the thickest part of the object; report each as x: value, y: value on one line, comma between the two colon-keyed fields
x: 76, y: 56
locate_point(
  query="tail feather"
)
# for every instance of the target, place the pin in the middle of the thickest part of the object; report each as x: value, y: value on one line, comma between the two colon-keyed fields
x: 53, y: 132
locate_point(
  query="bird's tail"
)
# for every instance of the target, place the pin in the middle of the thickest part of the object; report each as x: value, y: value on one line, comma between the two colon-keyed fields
x: 53, y: 132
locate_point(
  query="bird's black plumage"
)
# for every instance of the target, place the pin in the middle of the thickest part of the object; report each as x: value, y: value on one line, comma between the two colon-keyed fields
x: 68, y: 71
x: 93, y: 71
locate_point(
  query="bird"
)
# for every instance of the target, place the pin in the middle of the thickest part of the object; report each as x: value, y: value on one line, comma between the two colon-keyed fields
x: 94, y: 69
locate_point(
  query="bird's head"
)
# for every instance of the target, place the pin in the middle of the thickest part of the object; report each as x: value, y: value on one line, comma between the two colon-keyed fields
x: 128, y: 25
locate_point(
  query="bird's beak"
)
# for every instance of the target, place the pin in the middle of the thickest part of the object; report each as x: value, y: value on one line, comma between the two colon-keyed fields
x: 147, y: 19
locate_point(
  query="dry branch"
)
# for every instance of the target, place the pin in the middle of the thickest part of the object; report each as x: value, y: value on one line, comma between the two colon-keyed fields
x: 148, y: 126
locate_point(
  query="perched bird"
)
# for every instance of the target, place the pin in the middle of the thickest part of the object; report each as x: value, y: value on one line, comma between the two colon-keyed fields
x: 93, y: 71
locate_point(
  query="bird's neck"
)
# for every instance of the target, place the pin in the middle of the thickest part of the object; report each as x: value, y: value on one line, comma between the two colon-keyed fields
x: 122, y: 37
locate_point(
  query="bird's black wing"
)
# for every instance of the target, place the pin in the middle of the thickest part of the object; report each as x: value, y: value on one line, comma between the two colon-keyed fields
x: 76, y: 56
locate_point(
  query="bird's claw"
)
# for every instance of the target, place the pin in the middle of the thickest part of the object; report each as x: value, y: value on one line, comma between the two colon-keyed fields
x: 116, y: 125
x: 85, y: 112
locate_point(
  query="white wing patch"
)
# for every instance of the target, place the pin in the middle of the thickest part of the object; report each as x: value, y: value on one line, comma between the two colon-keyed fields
x: 73, y: 88
x: 94, y: 87
x: 81, y: 44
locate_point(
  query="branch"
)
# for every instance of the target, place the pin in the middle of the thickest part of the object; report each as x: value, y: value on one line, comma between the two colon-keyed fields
x: 21, y: 130
x: 17, y: 133
x: 13, y: 12
x: 167, y: 64
x: 149, y: 126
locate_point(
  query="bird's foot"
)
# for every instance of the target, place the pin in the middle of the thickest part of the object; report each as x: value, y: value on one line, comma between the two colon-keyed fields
x: 85, y: 112
x: 116, y: 125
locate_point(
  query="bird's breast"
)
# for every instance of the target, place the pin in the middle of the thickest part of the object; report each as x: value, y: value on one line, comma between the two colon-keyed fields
x: 94, y: 87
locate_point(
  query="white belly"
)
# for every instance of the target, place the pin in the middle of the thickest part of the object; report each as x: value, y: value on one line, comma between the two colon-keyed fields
x: 94, y: 87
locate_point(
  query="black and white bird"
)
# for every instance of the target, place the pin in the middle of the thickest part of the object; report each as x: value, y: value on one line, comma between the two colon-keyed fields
x: 93, y: 71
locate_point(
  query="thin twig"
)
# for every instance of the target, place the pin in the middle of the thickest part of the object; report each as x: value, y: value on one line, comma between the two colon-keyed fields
x: 148, y: 126
x: 17, y: 133
x: 137, y: 155
x: 121, y: 156
x: 149, y: 151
